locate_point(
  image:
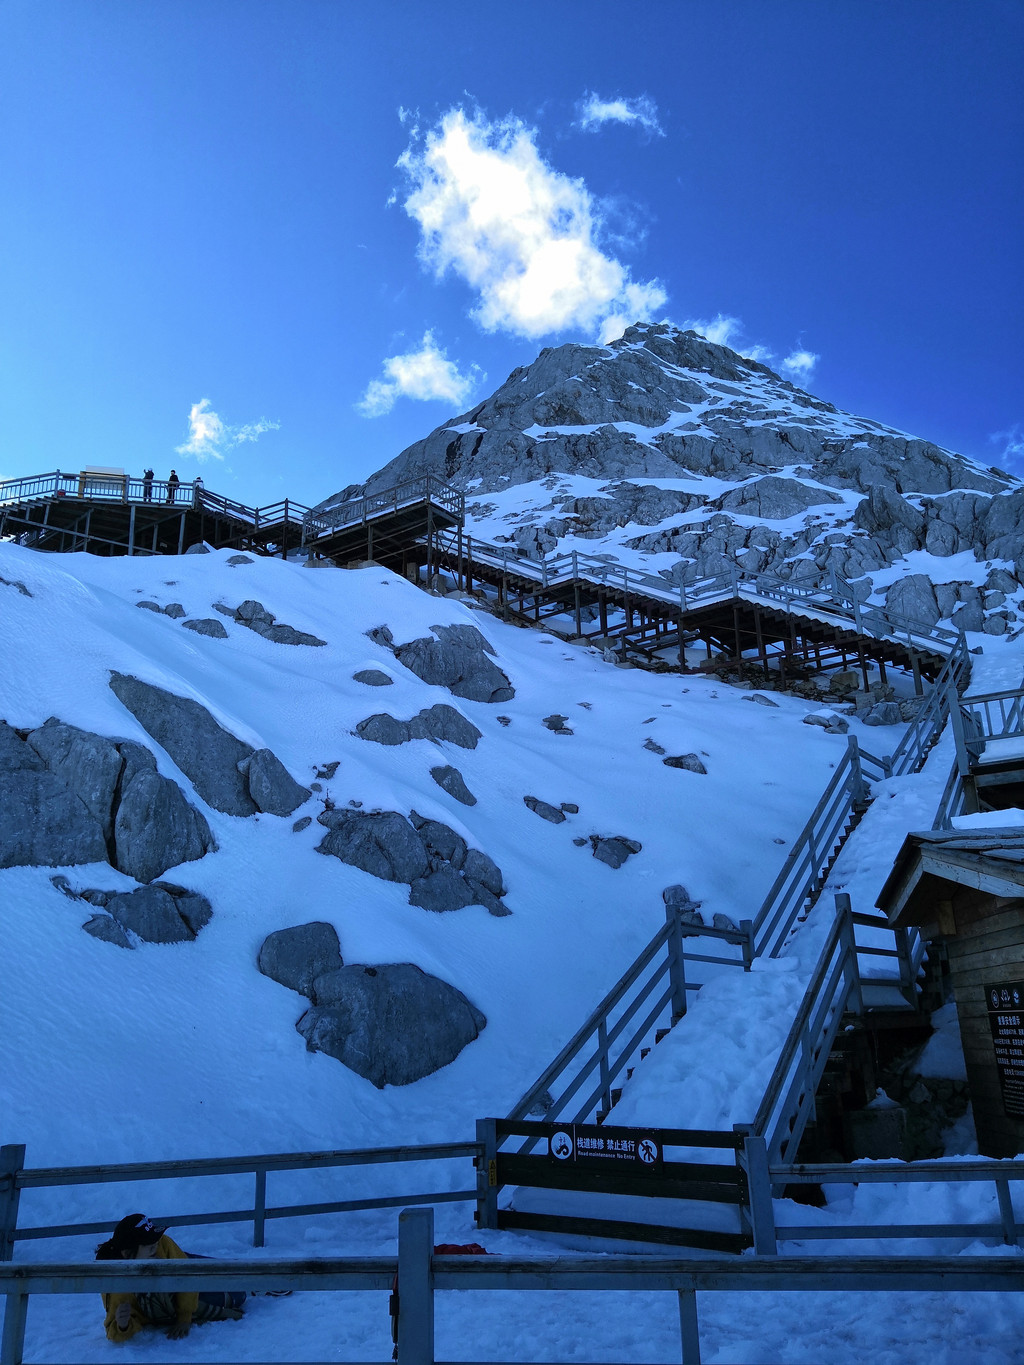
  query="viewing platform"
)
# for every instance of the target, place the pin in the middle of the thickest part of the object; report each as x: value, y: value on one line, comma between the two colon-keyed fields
x: 108, y: 512
x: 399, y: 527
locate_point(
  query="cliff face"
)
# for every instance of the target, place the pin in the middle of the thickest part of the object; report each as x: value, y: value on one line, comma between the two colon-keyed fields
x: 685, y: 456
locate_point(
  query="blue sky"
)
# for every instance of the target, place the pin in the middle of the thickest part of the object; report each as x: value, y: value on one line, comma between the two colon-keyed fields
x: 274, y: 243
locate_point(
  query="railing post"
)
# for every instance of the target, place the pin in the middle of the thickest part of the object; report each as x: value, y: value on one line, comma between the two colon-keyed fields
x: 956, y: 720
x: 12, y: 1345
x: 259, y: 1211
x: 415, y: 1287
x: 848, y: 938
x: 12, y: 1163
x: 689, y: 1330
x: 759, y: 1193
x: 1006, y: 1215
x: 676, y: 965
x: 602, y: 1054
x: 858, y: 787
x: 487, y: 1174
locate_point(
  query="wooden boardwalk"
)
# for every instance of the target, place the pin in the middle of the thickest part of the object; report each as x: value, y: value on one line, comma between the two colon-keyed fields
x: 787, y: 624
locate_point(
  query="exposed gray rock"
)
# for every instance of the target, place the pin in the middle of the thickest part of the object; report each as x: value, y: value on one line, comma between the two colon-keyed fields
x: 913, y: 598
x: 383, y: 729
x: 761, y: 700
x: 384, y: 844
x: 327, y: 770
x: 381, y: 635
x: 175, y: 611
x: 302, y: 823
x: 151, y: 606
x: 441, y: 723
x: 553, y: 814
x: 16, y: 583
x: 557, y: 724
x: 42, y: 822
x: 441, y: 890
x: 207, y: 754
x: 443, y: 845
x: 271, y: 785
x: 775, y: 499
x: 198, y: 549
x: 255, y: 615
x: 690, y: 762
x: 653, y: 746
x: 207, y: 625
x: 373, y: 677
x: 155, y: 827
x: 296, y: 957
x: 451, y: 781
x: 457, y: 659
x: 885, y: 713
x: 614, y: 850
x: 483, y: 871
x: 108, y: 931
x: 239, y: 559
x: 579, y: 842
x: 86, y: 764
x: 392, y: 1024
x: 152, y: 914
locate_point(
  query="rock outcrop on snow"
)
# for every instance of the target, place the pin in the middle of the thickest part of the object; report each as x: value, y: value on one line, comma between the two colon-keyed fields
x: 68, y: 796
x: 257, y: 618
x: 809, y: 490
x: 441, y: 723
x: 442, y: 871
x: 392, y: 1024
x: 230, y: 775
x: 460, y: 658
x: 159, y: 913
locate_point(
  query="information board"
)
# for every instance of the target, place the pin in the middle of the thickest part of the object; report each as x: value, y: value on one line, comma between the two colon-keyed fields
x: 1005, y: 1004
x: 590, y: 1144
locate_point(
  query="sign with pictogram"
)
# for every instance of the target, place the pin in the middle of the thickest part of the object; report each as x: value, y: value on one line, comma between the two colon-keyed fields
x: 591, y: 1144
x: 1005, y: 1004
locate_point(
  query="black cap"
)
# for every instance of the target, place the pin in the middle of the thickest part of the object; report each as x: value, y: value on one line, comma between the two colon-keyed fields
x: 136, y: 1231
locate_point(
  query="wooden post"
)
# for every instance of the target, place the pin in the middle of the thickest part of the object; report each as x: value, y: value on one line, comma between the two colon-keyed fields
x: 12, y: 1162
x: 415, y: 1287
x: 12, y: 1346
x: 284, y: 531
x: 1006, y: 1215
x: 602, y: 1051
x: 459, y: 579
x: 576, y: 606
x: 689, y: 1331
x: 848, y: 939
x: 487, y: 1174
x: 759, y: 1192
x: 131, y: 530
x: 676, y: 965
x: 259, y: 1212
x: 181, y: 535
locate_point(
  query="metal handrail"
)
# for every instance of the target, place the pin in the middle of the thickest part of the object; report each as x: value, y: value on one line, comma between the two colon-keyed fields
x: 317, y: 523
x: 836, y: 599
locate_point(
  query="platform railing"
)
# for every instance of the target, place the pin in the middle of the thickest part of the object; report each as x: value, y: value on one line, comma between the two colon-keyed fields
x: 321, y: 522
x: 417, y: 1274
x: 834, y: 597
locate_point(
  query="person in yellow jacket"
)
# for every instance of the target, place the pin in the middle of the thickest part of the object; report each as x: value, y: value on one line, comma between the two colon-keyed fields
x: 137, y: 1238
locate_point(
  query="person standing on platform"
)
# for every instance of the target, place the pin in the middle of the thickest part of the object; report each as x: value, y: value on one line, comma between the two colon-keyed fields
x: 147, y: 485
x: 172, y: 486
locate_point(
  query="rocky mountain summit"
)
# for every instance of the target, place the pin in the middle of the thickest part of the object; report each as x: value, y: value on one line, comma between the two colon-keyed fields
x: 689, y: 459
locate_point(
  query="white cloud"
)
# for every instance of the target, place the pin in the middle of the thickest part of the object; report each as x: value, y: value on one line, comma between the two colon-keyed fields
x: 722, y: 330
x: 1012, y: 443
x: 727, y: 331
x: 594, y: 112
x: 524, y: 236
x: 424, y: 374
x: 209, y: 437
x: 799, y: 365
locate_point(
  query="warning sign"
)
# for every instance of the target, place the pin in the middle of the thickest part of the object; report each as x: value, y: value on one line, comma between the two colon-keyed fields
x: 590, y: 1144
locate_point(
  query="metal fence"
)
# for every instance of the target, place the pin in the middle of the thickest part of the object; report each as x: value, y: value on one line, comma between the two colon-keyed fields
x: 421, y: 1275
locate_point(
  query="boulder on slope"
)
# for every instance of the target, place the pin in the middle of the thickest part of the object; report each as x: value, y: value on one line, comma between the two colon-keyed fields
x: 391, y: 1024
x: 272, y: 786
x: 296, y: 957
x: 155, y: 827
x: 382, y: 843
x: 458, y: 660
x: 86, y: 764
x: 205, y: 752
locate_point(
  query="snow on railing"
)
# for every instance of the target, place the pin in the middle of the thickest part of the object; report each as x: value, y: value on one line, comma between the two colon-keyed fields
x: 423, y: 489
